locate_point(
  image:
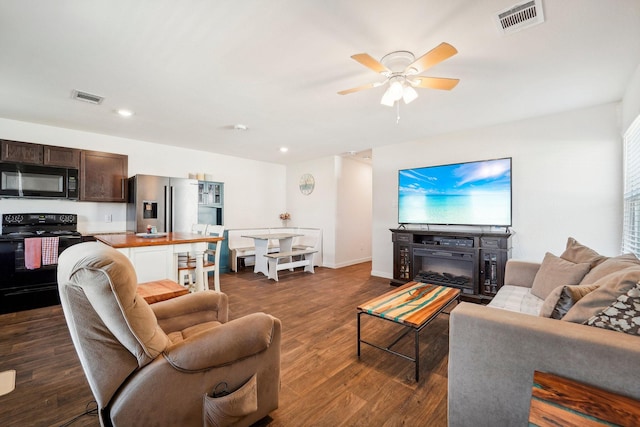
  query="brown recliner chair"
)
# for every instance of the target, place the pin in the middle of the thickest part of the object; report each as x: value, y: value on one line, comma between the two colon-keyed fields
x: 158, y: 365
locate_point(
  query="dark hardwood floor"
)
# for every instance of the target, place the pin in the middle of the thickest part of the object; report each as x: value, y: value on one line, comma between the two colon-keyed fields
x: 323, y: 381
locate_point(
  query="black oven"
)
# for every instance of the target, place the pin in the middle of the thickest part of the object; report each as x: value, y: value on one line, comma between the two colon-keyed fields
x: 24, y: 286
x: 22, y: 180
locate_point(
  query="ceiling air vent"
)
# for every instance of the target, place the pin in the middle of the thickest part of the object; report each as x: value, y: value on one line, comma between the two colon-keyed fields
x: 520, y: 16
x: 86, y: 97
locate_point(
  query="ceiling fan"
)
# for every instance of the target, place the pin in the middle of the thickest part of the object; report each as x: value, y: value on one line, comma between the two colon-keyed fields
x: 400, y: 69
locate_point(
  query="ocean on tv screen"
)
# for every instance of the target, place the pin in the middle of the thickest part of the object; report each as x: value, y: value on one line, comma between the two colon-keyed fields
x: 475, y: 193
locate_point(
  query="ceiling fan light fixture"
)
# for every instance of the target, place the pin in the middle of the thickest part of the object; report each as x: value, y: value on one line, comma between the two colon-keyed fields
x: 409, y: 94
x: 387, y: 98
x: 394, y: 92
x: 396, y: 89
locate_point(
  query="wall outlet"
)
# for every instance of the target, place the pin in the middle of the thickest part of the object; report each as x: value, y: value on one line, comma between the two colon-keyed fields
x: 108, y: 218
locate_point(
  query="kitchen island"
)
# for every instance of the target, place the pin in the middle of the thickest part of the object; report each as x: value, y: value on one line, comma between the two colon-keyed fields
x: 155, y: 257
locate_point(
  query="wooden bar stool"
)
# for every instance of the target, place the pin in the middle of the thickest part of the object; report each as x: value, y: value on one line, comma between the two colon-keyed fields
x: 211, y: 261
x: 187, y: 262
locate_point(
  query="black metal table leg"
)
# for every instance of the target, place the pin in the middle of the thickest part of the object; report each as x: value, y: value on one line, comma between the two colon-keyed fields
x: 359, y: 313
x: 417, y: 343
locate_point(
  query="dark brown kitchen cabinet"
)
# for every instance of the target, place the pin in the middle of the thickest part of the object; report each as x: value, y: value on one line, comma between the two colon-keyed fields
x: 21, y: 152
x: 38, y: 154
x: 61, y: 156
x: 103, y: 177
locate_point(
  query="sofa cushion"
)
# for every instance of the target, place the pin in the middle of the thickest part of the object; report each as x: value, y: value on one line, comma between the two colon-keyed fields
x: 517, y: 298
x: 609, y: 289
x: 562, y: 298
x: 554, y: 272
x: 610, y: 265
x: 623, y: 315
x: 578, y: 253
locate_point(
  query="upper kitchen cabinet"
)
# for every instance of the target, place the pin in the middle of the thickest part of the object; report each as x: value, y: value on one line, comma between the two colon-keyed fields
x: 38, y: 154
x: 22, y: 152
x: 103, y: 177
x: 61, y: 156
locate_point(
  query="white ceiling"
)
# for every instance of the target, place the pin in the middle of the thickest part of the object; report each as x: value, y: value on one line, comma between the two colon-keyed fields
x: 191, y: 70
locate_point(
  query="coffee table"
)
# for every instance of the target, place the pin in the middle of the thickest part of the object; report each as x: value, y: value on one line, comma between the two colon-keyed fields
x: 413, y: 305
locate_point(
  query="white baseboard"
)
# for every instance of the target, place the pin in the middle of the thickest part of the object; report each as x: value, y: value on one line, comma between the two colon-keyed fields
x: 382, y: 274
x: 348, y: 263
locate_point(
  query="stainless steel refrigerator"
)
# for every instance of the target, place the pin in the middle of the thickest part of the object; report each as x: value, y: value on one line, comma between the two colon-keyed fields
x: 170, y: 204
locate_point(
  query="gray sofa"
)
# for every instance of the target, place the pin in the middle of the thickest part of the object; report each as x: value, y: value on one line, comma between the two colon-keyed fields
x: 535, y: 323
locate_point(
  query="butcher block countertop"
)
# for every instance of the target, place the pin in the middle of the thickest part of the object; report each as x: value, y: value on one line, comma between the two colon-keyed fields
x: 125, y: 240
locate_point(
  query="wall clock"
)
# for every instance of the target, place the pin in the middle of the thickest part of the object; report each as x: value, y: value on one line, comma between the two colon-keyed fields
x: 307, y: 183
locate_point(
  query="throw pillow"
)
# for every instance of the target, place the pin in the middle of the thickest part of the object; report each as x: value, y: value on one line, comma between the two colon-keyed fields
x: 610, y: 265
x: 623, y: 315
x: 554, y: 272
x: 578, y: 253
x: 609, y: 289
x: 562, y: 298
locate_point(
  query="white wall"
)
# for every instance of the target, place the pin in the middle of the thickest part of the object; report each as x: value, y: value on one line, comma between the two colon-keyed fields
x: 340, y: 205
x: 253, y: 190
x: 318, y: 209
x: 631, y: 101
x: 567, y: 180
x: 354, y: 212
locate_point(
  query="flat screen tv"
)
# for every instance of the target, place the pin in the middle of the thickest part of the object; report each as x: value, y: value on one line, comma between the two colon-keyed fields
x: 472, y: 193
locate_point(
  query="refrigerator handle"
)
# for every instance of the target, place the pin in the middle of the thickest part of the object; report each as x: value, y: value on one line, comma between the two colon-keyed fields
x: 172, y: 199
x: 167, y: 209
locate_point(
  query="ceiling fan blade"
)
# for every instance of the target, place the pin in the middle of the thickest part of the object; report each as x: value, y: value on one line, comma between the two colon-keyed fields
x: 359, y: 88
x: 434, y: 56
x: 369, y: 62
x: 434, y: 82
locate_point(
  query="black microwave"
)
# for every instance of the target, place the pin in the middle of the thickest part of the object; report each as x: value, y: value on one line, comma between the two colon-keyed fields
x: 50, y: 182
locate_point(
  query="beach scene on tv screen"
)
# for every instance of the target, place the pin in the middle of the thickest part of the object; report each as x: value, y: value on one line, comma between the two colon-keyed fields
x: 475, y: 193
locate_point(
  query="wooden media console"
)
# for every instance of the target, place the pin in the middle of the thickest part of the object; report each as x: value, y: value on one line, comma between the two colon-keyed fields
x: 473, y: 262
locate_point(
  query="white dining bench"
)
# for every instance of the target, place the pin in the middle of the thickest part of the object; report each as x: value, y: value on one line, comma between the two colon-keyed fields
x: 289, y: 264
x: 242, y: 249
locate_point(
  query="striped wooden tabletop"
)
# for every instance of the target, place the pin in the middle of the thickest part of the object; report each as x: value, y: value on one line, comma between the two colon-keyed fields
x: 558, y: 401
x: 411, y: 304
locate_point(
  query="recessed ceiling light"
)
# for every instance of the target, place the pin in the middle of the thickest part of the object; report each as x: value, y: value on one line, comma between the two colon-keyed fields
x: 283, y: 149
x: 125, y: 113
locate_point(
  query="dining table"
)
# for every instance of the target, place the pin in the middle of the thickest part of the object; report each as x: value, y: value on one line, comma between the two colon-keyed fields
x: 261, y: 243
x: 155, y: 255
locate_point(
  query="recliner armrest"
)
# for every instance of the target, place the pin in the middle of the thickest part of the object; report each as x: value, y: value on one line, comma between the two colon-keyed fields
x: 520, y: 273
x: 224, y: 344
x: 179, y: 313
